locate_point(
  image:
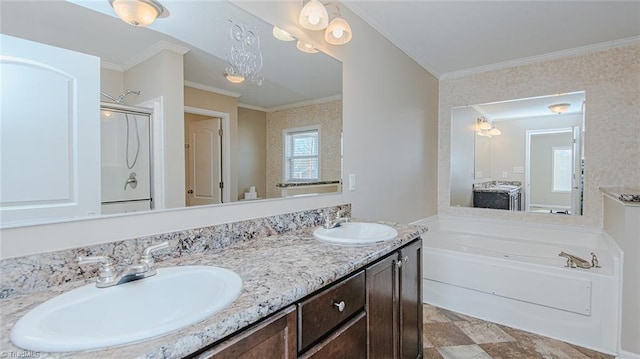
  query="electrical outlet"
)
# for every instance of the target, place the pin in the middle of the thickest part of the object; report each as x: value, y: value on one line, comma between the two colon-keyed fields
x: 479, y: 174
x: 505, y: 174
x: 352, y: 182
x: 518, y: 169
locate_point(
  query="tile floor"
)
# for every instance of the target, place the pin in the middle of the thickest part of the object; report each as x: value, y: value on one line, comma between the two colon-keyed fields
x: 449, y: 335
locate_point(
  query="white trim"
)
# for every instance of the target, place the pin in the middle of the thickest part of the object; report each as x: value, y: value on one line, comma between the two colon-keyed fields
x: 219, y: 91
x: 623, y: 354
x: 540, y: 58
x: 110, y: 66
x: 252, y: 107
x: 305, y: 103
x: 151, y: 51
x: 158, y: 184
x: 226, y: 146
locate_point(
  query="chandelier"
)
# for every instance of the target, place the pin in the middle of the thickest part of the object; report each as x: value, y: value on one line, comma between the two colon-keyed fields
x: 244, y: 57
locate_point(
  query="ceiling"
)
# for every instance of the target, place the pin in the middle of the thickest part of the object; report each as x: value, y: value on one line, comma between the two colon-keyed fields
x: 198, y: 27
x: 448, y: 38
x: 531, y: 107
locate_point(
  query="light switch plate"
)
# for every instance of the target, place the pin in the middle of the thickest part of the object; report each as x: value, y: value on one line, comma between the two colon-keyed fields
x: 352, y: 182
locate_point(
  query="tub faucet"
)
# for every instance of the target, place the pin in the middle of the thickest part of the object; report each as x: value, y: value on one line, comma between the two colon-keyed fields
x: 328, y: 223
x: 573, y: 261
x: 109, y: 277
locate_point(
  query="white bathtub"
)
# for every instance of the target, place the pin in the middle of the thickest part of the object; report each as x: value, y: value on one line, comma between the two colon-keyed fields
x: 510, y: 273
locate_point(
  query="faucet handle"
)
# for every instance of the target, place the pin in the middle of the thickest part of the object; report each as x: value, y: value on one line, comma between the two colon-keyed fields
x: 147, y: 254
x: 107, y: 271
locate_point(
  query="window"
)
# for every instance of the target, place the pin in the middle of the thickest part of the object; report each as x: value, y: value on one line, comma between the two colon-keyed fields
x: 302, y: 154
x: 562, y: 169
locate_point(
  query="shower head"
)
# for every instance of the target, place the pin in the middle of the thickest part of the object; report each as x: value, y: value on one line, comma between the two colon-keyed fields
x: 125, y: 94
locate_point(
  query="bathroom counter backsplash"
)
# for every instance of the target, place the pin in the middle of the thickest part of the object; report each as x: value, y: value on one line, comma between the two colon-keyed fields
x: 627, y: 195
x: 276, y: 271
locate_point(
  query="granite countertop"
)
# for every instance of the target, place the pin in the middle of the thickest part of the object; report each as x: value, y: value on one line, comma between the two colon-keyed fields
x: 507, y: 189
x: 630, y: 196
x: 276, y: 272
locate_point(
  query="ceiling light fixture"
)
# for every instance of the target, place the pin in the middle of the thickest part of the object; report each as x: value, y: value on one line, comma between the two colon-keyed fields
x: 244, y: 57
x: 282, y: 35
x: 559, y: 108
x: 139, y: 12
x: 483, y: 123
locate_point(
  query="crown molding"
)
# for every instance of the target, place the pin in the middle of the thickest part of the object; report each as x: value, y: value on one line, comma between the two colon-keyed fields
x: 152, y: 51
x: 110, y: 66
x: 305, y: 103
x: 545, y: 57
x: 208, y: 88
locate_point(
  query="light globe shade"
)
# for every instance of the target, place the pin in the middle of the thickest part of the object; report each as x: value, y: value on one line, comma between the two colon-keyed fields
x: 559, y: 108
x: 495, y: 132
x: 306, y: 47
x: 282, y: 35
x: 138, y: 12
x: 338, y: 32
x: 483, y: 124
x: 234, y: 79
x: 314, y: 16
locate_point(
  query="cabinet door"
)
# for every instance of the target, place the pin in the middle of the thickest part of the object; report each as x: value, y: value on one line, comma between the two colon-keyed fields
x: 274, y: 338
x: 410, y: 301
x: 382, y: 308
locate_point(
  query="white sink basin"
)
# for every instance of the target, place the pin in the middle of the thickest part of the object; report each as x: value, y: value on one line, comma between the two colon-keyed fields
x: 356, y: 233
x: 91, y: 318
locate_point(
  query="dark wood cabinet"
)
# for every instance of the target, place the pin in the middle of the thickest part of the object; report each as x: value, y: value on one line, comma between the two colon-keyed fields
x: 394, y: 304
x: 274, y: 338
x: 374, y: 313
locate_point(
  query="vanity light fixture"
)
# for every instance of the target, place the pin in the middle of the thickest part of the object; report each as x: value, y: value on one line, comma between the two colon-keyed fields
x: 485, y: 128
x: 139, y: 12
x: 338, y: 32
x: 282, y: 35
x: 313, y: 16
x: 306, y: 47
x: 559, y: 108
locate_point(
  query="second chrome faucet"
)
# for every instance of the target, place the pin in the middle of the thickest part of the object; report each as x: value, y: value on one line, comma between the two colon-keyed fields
x: 108, y: 276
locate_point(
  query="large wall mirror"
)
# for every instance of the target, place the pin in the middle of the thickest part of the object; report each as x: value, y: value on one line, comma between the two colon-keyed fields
x: 148, y: 121
x: 520, y: 155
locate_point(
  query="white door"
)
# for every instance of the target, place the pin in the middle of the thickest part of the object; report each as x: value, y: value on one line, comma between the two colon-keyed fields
x: 50, y: 132
x: 204, y: 162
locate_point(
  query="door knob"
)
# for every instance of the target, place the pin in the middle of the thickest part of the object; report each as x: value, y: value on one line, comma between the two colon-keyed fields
x: 190, y: 191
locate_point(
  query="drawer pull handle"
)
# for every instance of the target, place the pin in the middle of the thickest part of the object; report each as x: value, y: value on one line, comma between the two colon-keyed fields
x: 340, y: 306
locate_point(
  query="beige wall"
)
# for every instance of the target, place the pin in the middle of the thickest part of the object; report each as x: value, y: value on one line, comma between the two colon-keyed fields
x: 390, y: 142
x: 111, y: 82
x: 541, y: 186
x: 328, y: 116
x: 252, y: 151
x: 216, y: 102
x: 611, y: 80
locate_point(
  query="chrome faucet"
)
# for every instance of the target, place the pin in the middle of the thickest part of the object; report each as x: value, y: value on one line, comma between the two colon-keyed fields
x: 328, y: 223
x: 108, y: 277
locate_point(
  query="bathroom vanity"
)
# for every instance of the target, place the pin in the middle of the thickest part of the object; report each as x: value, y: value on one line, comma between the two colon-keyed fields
x: 498, y: 196
x: 301, y: 298
x: 382, y: 302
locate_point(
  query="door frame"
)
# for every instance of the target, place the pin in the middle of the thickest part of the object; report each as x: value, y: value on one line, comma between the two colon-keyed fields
x: 527, y: 163
x: 226, y: 146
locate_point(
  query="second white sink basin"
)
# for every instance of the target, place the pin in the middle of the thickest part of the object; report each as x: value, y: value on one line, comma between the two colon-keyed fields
x: 91, y: 318
x: 356, y: 233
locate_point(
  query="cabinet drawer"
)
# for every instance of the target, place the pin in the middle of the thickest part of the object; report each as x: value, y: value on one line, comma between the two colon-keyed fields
x: 324, y: 311
x: 348, y: 341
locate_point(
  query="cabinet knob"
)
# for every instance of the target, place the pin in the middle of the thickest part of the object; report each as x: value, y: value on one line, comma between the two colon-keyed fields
x: 339, y: 305
x: 399, y: 264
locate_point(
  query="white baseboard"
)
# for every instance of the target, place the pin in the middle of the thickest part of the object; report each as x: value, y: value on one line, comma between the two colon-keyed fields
x: 627, y: 355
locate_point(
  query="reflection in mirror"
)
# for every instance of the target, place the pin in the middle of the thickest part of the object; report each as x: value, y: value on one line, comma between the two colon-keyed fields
x: 200, y: 139
x: 520, y: 155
